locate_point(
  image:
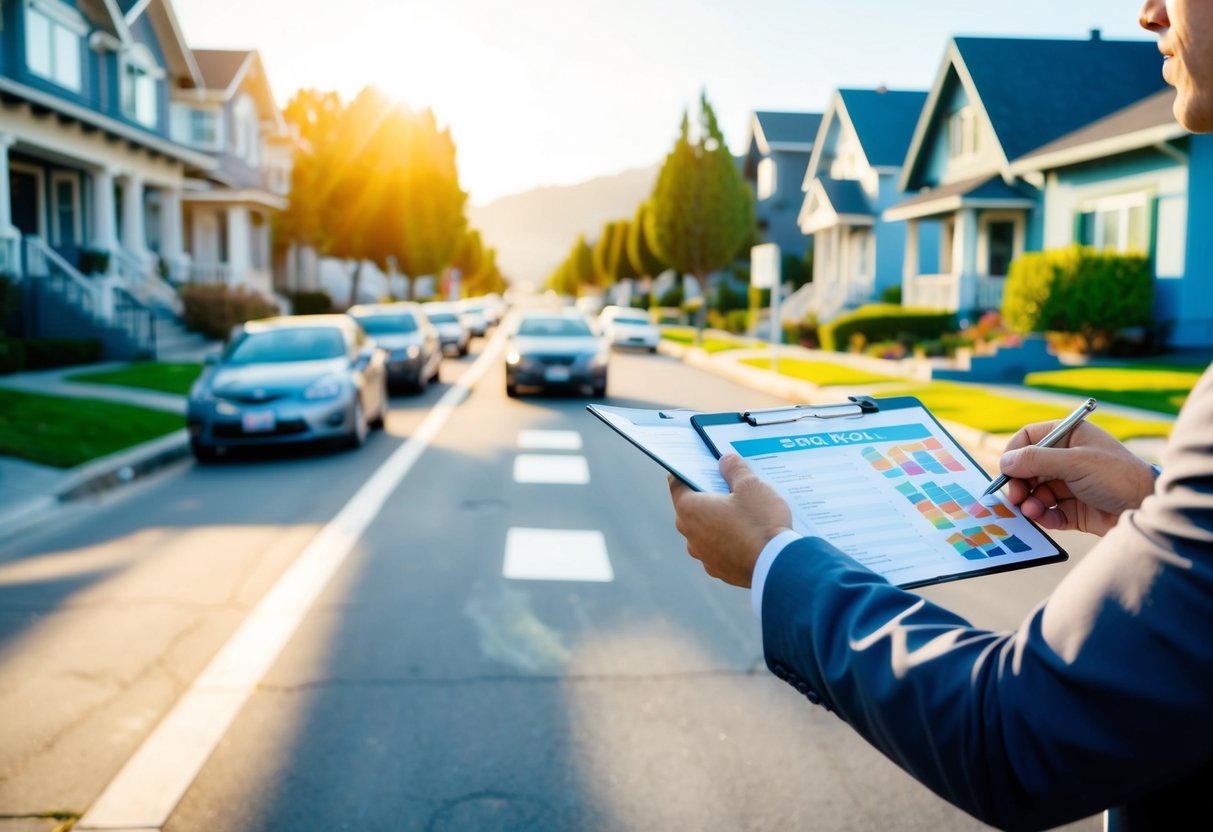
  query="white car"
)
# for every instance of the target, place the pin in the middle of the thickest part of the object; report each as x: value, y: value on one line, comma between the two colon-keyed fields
x: 627, y: 327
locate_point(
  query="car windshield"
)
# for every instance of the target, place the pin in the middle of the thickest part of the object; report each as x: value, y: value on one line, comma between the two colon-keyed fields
x: 388, y: 324
x: 443, y: 318
x: 290, y: 344
x: 631, y: 319
x: 555, y: 327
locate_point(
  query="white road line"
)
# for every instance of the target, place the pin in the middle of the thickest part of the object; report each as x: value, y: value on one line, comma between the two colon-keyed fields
x: 556, y: 555
x: 148, y: 788
x: 549, y: 440
x: 565, y: 469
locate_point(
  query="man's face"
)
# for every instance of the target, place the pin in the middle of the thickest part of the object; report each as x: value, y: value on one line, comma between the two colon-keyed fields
x: 1185, y: 37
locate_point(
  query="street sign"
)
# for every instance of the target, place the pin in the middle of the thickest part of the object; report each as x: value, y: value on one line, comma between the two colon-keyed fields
x: 764, y: 266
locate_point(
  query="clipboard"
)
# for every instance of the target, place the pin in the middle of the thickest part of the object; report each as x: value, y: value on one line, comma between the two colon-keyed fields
x: 886, y: 483
x: 668, y: 438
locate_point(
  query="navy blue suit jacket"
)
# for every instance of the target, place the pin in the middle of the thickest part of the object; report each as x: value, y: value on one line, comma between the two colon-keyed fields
x: 1103, y: 697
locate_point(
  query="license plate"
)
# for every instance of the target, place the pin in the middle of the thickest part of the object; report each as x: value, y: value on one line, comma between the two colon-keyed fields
x: 556, y: 374
x: 258, y: 421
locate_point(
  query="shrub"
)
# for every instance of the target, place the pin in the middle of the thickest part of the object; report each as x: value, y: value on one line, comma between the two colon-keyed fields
x: 884, y: 322
x: 1077, y: 290
x: 48, y: 353
x: 213, y: 308
x: 311, y: 303
x: 12, y: 355
x: 10, y: 304
x: 672, y: 296
x: 891, y: 295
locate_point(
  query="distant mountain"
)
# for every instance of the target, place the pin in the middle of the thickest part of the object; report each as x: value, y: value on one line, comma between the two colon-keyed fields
x: 534, y: 230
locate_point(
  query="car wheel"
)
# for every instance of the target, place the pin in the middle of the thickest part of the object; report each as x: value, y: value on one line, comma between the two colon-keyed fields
x: 204, y: 454
x: 600, y: 390
x: 381, y: 417
x: 463, y: 350
x: 360, y: 430
x: 511, y: 390
x: 422, y: 382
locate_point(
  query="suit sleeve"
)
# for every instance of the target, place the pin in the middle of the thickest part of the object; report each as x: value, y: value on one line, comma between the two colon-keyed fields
x: 1099, y: 697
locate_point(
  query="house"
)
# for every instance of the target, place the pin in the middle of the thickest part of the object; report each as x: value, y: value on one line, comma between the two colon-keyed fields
x: 1135, y: 181
x: 227, y: 212
x: 853, y: 176
x: 994, y: 101
x: 115, y: 139
x: 774, y: 163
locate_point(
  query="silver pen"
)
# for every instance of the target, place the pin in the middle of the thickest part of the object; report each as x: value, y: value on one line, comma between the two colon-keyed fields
x: 1063, y: 429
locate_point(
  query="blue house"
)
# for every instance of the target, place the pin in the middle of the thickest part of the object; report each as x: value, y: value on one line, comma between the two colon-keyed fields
x: 994, y: 101
x: 852, y: 177
x: 1135, y: 181
x: 774, y: 163
x: 101, y: 103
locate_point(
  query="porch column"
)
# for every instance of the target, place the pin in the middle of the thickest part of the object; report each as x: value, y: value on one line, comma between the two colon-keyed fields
x: 909, y: 265
x: 171, y: 234
x: 964, y: 260
x: 238, y: 245
x: 10, y: 237
x: 134, y: 232
x: 105, y: 220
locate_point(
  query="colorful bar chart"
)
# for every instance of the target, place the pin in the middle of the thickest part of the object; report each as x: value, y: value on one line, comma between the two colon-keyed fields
x: 983, y: 542
x: 913, y: 459
x: 948, y: 504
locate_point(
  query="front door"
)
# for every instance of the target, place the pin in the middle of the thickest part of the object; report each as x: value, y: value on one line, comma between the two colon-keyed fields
x: 25, y: 200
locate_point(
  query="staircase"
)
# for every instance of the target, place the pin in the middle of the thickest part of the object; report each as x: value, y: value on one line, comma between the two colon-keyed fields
x: 176, y: 343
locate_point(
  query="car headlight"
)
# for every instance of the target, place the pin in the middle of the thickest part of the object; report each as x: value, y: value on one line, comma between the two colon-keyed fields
x: 513, y: 358
x: 598, y: 359
x: 226, y: 408
x: 413, y: 351
x: 328, y: 387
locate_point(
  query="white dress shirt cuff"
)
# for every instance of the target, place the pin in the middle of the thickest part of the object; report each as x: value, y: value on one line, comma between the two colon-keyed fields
x: 763, y: 565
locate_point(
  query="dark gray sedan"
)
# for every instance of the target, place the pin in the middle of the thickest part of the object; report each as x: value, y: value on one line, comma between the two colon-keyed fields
x: 414, y: 348
x: 302, y: 378
x: 555, y: 349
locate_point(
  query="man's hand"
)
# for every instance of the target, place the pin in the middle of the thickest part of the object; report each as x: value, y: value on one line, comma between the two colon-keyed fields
x: 1085, y: 486
x: 727, y: 532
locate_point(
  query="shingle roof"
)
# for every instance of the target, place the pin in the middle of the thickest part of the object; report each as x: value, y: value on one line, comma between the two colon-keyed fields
x: 846, y: 196
x: 1151, y: 112
x: 1036, y: 90
x: 219, y: 66
x: 788, y: 128
x: 988, y: 188
x: 884, y: 121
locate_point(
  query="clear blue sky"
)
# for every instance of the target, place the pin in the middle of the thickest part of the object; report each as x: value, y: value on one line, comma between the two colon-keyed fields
x: 541, y: 92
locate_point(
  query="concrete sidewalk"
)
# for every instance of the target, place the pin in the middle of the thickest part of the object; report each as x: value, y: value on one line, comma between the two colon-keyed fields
x: 28, y: 492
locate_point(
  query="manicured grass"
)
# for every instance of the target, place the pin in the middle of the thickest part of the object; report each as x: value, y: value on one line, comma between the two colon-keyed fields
x: 1160, y: 387
x: 65, y: 432
x: 150, y: 375
x: 822, y: 373
x: 996, y: 413
x: 686, y: 335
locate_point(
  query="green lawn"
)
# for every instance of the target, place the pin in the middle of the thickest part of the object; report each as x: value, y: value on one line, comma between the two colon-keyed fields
x: 686, y: 335
x: 151, y: 375
x: 822, y: 373
x: 997, y: 413
x: 1160, y: 387
x: 65, y: 432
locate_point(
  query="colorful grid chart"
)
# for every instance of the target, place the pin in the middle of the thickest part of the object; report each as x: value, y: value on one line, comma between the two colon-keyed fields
x: 912, y: 459
x: 946, y: 505
x: 979, y: 542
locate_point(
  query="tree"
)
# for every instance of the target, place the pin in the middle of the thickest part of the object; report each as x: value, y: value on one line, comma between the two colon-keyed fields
x: 701, y: 211
x: 641, y: 257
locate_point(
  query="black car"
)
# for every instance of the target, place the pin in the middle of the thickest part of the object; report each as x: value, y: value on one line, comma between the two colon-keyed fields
x: 414, y: 348
x: 301, y: 378
x: 555, y: 348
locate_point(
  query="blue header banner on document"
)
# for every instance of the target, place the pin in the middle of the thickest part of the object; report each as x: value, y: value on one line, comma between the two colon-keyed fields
x: 829, y: 439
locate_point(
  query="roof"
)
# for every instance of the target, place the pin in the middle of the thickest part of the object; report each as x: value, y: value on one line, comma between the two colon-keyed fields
x: 1036, y: 90
x: 220, y: 67
x: 1148, y: 122
x: 846, y: 196
x: 774, y: 129
x: 884, y: 121
x: 989, y: 191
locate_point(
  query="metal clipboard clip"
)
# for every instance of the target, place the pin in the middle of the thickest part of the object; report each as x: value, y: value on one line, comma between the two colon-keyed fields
x: 859, y: 405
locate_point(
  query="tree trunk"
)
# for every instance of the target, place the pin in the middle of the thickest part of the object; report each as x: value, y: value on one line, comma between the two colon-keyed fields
x: 355, y: 279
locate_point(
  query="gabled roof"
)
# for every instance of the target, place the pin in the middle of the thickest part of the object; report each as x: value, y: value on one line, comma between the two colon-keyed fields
x: 846, y: 196
x: 177, y: 54
x: 982, y: 191
x: 225, y: 70
x: 1033, y: 91
x: 1150, y: 122
x: 884, y: 122
x: 833, y: 202
x: 784, y: 131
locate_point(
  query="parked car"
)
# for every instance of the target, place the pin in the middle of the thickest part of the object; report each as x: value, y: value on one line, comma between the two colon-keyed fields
x: 413, y: 345
x: 291, y: 379
x: 624, y: 326
x: 555, y: 348
x: 451, y: 331
x: 471, y: 315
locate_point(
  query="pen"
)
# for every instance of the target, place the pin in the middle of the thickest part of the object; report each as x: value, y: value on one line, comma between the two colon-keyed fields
x: 1063, y: 429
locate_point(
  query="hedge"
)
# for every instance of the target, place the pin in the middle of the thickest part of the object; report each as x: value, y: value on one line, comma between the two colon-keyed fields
x: 20, y: 354
x: 213, y: 308
x: 885, y: 322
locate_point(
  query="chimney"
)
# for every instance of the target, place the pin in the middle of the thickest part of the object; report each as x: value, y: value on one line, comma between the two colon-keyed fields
x: 1096, y: 34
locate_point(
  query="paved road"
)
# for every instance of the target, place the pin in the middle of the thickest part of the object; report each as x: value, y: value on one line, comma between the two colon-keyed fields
x: 425, y: 689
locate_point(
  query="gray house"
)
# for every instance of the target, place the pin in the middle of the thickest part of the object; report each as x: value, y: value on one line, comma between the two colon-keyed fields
x: 775, y: 160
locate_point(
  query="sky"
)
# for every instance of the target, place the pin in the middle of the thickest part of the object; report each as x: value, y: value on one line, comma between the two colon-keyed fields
x: 551, y: 92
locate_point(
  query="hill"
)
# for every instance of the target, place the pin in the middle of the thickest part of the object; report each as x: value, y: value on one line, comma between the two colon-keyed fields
x: 533, y: 231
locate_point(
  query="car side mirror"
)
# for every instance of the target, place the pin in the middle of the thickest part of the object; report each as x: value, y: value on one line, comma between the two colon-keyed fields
x: 210, y: 360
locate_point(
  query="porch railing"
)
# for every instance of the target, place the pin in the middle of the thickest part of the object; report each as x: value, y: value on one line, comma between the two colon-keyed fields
x: 145, y: 283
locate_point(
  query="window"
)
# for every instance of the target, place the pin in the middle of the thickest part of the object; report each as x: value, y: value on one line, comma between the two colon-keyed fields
x: 766, y: 178
x: 53, y: 42
x: 1117, y: 224
x: 65, y: 209
x: 138, y: 85
x: 246, y: 130
x: 964, y: 134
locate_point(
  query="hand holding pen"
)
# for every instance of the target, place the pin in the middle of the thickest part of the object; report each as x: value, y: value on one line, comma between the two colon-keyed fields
x: 1063, y: 429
